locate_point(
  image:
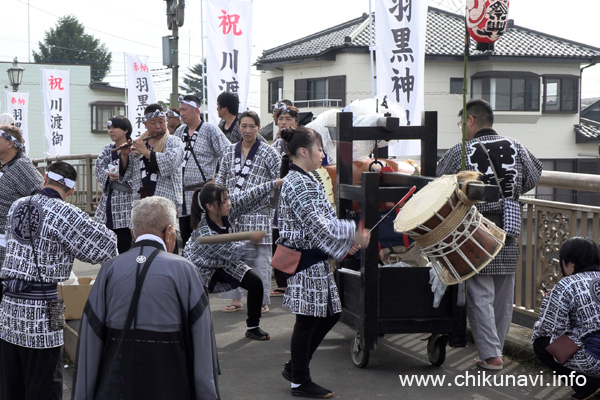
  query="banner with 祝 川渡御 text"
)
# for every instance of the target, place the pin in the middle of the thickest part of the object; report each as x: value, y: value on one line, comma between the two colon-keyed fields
x: 57, y: 111
x: 229, y: 50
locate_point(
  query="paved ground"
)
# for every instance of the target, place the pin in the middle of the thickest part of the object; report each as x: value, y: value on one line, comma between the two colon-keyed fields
x: 251, y: 370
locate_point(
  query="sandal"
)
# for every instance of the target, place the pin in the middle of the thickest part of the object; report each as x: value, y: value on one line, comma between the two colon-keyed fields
x: 492, y: 367
x: 233, y: 308
x: 277, y: 293
x: 264, y: 309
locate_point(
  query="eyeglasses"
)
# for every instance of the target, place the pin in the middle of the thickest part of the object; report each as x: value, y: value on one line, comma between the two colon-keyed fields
x: 460, y: 123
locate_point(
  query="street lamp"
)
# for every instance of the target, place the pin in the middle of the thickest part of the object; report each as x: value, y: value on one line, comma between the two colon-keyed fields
x: 15, y: 75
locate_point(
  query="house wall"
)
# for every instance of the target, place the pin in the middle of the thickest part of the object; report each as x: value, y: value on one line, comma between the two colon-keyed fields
x: 83, y: 141
x: 548, y: 136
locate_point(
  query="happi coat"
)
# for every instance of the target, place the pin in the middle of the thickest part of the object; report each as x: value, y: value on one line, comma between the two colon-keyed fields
x: 18, y: 178
x: 61, y: 232
x: 117, y: 196
x: 203, y: 150
x: 168, y: 177
x: 518, y: 171
x: 170, y: 350
x: 238, y: 173
x: 227, y: 256
x: 307, y: 221
x: 572, y: 307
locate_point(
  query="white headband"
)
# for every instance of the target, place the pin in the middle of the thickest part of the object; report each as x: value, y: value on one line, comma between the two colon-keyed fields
x: 60, y: 179
x: 7, y: 136
x: 173, y: 114
x: 151, y: 115
x: 190, y: 103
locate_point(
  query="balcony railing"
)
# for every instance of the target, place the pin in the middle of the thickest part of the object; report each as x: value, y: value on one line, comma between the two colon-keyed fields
x: 318, y: 103
x: 546, y: 225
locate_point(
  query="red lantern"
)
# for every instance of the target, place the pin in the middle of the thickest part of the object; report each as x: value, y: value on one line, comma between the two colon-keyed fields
x: 486, y: 21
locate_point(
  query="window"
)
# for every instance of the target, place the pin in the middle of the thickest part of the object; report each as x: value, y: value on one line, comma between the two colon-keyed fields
x: 561, y: 93
x: 320, y: 92
x: 508, y: 91
x: 456, y: 85
x: 102, y: 111
x: 275, y: 92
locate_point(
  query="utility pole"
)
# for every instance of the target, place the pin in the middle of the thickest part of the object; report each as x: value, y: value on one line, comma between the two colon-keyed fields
x: 175, y: 11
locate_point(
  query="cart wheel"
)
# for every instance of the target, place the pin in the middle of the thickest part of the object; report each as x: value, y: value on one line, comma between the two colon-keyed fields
x: 436, y: 349
x: 360, y: 355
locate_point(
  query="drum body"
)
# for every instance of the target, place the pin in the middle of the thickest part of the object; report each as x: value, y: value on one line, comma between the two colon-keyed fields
x: 456, y: 238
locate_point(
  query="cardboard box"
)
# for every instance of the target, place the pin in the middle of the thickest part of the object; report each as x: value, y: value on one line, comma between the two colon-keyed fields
x: 75, y: 297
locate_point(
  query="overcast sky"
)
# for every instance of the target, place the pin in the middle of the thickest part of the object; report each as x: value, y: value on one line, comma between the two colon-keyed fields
x: 136, y: 27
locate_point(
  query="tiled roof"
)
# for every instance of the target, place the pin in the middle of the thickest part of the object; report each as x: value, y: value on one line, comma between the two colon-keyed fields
x: 445, y: 37
x: 313, y: 45
x: 587, y: 131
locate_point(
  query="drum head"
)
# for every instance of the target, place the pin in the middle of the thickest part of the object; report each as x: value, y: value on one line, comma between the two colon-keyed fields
x: 425, y: 203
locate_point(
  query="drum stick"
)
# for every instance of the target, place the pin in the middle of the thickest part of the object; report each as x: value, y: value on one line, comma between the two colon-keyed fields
x: 398, y: 204
x: 228, y: 237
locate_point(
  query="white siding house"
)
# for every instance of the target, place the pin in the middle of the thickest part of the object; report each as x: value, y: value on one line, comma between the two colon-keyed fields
x: 91, y: 106
x: 532, y: 79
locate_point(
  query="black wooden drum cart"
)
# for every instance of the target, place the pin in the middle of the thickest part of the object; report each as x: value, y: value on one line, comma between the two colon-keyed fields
x: 377, y: 301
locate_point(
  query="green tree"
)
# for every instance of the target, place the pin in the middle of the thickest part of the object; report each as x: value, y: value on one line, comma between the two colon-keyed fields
x: 192, y: 81
x: 68, y: 43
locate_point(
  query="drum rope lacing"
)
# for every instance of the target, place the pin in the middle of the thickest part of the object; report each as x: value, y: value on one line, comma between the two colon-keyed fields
x: 451, y: 222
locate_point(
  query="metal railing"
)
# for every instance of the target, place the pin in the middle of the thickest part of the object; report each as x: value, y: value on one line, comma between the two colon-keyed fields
x: 546, y: 225
x: 318, y: 103
x: 87, y: 191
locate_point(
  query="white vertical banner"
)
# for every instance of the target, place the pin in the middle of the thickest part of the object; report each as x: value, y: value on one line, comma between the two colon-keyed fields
x: 229, y: 44
x: 400, y: 28
x: 17, y: 105
x: 57, y: 111
x: 140, y: 91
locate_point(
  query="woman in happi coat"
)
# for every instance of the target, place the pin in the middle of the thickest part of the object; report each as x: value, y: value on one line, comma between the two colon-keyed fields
x: 246, y: 164
x: 221, y: 265
x: 308, y: 223
x: 572, y: 308
x: 114, y: 208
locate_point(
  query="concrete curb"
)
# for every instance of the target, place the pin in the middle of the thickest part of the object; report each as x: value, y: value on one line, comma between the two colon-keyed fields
x: 517, y: 345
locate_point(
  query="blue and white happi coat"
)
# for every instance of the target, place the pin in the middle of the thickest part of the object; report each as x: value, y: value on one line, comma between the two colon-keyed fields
x: 227, y: 255
x: 61, y: 233
x: 208, y: 144
x: 518, y: 171
x: 307, y: 221
x: 120, y: 200
x: 168, y: 178
x: 239, y: 174
x: 572, y: 307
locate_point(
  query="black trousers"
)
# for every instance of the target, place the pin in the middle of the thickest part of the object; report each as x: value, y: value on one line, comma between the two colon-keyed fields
x: 253, y: 284
x: 30, y: 374
x: 308, y: 334
x: 123, y: 239
x: 185, y: 229
x: 539, y: 346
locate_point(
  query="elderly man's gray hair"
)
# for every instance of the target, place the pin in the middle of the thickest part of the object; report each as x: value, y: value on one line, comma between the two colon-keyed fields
x: 153, y: 215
